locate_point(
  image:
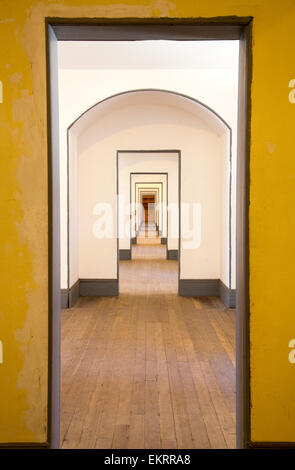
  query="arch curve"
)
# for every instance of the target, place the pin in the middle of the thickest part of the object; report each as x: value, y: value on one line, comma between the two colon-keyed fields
x: 184, y: 101
x: 149, y: 96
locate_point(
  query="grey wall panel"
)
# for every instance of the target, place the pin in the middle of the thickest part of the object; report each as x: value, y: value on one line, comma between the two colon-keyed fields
x: 125, y: 254
x: 108, y: 30
x: 172, y: 254
x: 99, y: 287
x: 74, y: 293
x: 227, y: 295
x: 64, y: 297
x: 199, y: 287
x: 54, y: 300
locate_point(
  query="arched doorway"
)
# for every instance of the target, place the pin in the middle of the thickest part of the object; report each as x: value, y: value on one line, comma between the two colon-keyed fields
x: 209, y: 140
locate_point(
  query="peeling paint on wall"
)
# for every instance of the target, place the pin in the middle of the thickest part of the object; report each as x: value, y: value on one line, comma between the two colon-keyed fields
x: 270, y: 147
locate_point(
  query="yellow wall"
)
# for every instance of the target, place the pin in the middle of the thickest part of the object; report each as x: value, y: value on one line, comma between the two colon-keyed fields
x: 23, y: 234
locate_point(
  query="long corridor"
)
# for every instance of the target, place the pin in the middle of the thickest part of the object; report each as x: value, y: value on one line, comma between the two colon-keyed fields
x: 148, y: 369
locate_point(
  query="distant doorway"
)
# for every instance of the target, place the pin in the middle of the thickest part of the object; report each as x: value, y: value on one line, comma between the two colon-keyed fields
x: 239, y: 28
x: 148, y: 205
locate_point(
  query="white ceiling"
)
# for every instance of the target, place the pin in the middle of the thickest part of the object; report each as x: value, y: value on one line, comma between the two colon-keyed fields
x: 149, y: 97
x: 147, y: 54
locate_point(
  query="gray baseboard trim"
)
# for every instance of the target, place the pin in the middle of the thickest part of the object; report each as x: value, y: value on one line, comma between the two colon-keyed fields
x: 89, y: 288
x: 133, y: 241
x: 208, y: 288
x: 172, y: 254
x: 74, y: 293
x: 64, y: 298
x: 199, y: 287
x: 228, y: 296
x: 187, y: 288
x: 163, y: 241
x: 125, y: 254
x: 99, y: 287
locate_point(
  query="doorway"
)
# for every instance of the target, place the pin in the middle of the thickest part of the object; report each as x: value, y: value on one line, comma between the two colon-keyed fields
x: 155, y: 184
x: 148, y: 206
x: 241, y: 31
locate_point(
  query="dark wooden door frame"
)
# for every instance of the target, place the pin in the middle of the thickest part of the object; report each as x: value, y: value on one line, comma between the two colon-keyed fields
x: 124, y: 29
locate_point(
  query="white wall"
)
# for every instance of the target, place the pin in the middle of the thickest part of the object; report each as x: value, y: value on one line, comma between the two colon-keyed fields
x: 145, y: 163
x: 73, y: 270
x: 174, y: 123
x: 81, y: 89
x: 206, y: 70
x: 225, y: 175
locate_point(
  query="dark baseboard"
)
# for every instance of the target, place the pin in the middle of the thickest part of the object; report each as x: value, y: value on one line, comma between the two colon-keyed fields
x: 199, y: 287
x: 228, y: 296
x: 208, y: 288
x: 74, y: 293
x: 64, y: 298
x: 124, y: 254
x: 133, y: 241
x: 70, y: 296
x: 163, y: 241
x: 172, y: 254
x: 89, y: 288
x: 187, y: 288
x: 99, y: 287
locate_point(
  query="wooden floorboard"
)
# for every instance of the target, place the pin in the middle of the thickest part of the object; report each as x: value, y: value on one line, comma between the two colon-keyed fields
x: 148, y: 369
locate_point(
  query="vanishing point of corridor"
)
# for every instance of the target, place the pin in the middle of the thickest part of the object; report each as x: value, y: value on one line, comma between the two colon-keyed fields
x: 148, y: 369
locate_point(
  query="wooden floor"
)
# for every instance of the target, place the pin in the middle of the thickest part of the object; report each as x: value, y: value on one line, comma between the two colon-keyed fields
x: 148, y: 369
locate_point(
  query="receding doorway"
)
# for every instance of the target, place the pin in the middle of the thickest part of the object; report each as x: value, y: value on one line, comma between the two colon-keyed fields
x: 148, y: 181
x: 241, y: 31
x: 148, y: 212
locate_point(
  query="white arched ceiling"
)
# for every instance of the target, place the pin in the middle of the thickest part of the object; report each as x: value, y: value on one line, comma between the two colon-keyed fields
x: 206, y: 115
x: 149, y: 119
